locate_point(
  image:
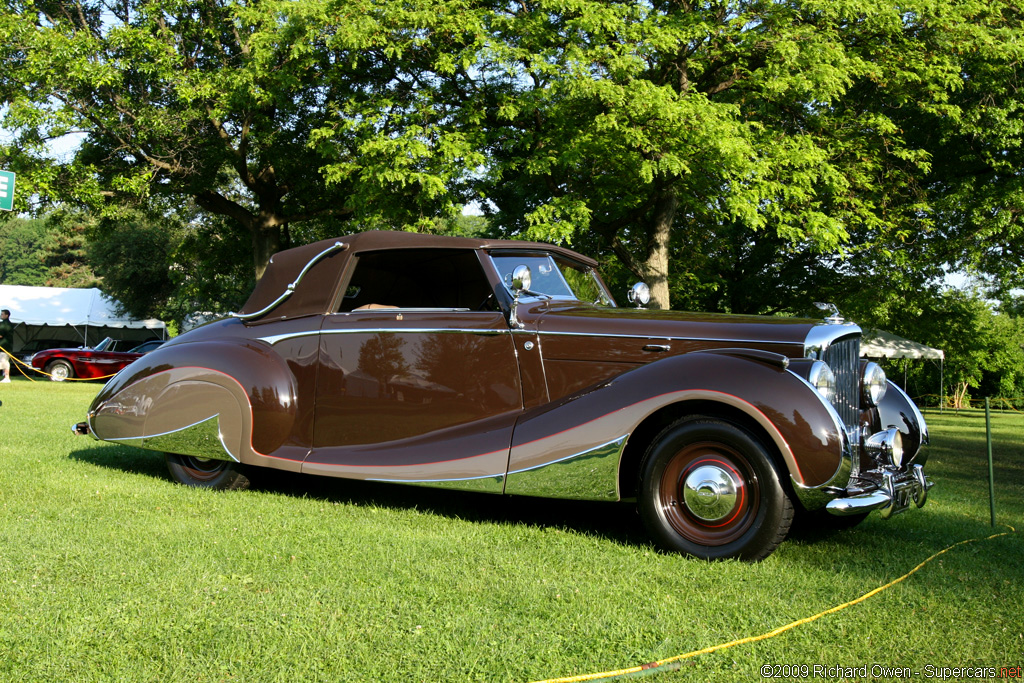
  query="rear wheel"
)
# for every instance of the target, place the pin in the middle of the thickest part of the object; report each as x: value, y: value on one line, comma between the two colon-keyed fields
x: 205, y: 473
x: 710, y: 489
x: 60, y: 370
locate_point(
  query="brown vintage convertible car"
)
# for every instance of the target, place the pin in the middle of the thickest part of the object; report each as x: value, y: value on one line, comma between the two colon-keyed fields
x: 507, y: 367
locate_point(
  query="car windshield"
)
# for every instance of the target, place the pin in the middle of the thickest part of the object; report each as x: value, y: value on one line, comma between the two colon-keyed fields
x: 146, y: 347
x: 554, y: 277
x: 103, y: 345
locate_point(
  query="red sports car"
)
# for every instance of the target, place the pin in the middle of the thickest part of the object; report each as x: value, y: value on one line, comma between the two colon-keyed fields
x: 101, y: 360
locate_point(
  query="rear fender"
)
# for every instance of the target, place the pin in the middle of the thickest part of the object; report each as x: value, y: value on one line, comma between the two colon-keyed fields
x: 583, y: 460
x: 230, y: 400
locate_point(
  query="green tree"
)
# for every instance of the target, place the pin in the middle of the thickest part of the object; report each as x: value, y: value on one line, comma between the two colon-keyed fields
x: 984, y: 356
x: 66, y: 252
x: 268, y: 113
x: 975, y: 139
x: 171, y: 266
x: 132, y: 254
x: 673, y: 127
x: 209, y: 269
x: 22, y: 244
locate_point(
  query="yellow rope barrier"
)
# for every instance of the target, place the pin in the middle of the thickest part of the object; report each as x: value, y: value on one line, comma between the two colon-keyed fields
x: 770, y: 634
x: 32, y: 369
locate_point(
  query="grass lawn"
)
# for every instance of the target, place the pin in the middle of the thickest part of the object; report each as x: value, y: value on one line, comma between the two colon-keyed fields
x: 110, y: 572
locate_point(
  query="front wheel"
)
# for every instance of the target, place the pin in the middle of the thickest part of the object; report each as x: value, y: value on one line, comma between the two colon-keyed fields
x: 206, y: 473
x: 60, y: 370
x: 710, y: 489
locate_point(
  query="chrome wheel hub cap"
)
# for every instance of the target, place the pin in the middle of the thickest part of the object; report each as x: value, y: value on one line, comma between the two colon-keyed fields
x: 710, y: 493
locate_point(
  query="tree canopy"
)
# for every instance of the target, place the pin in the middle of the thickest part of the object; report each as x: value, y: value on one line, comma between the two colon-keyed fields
x: 270, y: 113
x: 753, y: 131
x: 740, y: 155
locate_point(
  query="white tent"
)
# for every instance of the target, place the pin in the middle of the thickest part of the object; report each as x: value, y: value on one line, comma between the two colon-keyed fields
x: 882, y: 344
x: 75, y: 317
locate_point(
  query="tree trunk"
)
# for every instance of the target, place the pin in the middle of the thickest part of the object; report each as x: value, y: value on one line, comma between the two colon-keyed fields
x: 268, y: 231
x: 960, y: 399
x: 656, y: 263
x: 266, y: 241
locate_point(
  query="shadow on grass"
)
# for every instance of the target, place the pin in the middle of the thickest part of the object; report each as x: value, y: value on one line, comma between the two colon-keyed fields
x: 617, y: 522
x: 124, y: 459
x: 915, y: 534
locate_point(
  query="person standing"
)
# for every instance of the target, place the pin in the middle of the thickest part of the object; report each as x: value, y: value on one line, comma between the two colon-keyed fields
x: 6, y: 344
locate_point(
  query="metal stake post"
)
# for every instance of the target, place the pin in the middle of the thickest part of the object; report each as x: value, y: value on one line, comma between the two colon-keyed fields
x: 991, y: 471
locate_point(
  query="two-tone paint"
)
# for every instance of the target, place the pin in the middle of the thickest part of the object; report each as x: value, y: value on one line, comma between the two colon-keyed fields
x: 560, y: 399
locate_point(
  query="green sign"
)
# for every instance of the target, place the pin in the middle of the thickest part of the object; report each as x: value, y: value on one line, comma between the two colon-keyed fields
x: 6, y: 191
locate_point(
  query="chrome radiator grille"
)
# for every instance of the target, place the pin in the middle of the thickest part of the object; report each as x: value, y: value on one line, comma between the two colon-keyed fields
x: 843, y: 357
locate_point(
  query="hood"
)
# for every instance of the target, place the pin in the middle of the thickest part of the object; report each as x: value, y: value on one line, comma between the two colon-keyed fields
x: 680, y: 331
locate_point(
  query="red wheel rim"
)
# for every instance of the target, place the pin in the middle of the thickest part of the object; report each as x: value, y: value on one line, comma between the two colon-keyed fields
x: 709, y: 493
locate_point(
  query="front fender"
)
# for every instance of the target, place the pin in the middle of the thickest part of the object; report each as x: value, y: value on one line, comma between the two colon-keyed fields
x: 896, y: 409
x: 582, y: 460
x: 215, y: 399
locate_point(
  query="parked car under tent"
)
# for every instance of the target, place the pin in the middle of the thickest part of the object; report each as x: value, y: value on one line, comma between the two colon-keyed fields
x: 49, y: 317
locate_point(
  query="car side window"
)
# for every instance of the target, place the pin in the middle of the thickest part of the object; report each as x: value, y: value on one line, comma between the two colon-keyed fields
x: 418, y: 278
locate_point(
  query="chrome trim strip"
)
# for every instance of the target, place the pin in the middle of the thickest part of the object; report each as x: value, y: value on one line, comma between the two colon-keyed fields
x: 718, y: 340
x: 433, y: 481
x: 592, y: 474
x: 399, y: 309
x: 276, y: 338
x: 291, y: 288
x: 488, y: 483
x: 203, y: 440
x: 653, y: 337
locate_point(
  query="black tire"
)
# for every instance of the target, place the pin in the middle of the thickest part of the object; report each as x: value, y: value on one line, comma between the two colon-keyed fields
x: 206, y: 474
x: 711, y: 490
x: 60, y: 370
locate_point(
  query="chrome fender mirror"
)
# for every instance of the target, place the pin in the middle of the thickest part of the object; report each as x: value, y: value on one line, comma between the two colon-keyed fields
x: 519, y: 280
x: 522, y: 278
x: 639, y: 294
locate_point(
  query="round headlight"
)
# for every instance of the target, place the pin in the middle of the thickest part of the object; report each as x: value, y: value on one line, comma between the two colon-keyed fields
x: 822, y: 379
x: 886, y: 447
x: 873, y: 384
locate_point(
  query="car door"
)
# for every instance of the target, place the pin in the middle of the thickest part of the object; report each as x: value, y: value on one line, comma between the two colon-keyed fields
x: 415, y: 384
x: 101, y: 363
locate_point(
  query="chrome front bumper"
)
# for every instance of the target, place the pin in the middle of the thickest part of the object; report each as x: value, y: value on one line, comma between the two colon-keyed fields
x: 887, y: 490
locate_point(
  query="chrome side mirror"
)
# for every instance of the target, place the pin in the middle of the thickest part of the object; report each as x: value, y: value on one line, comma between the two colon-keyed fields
x: 639, y: 294
x: 520, y: 281
x: 522, y: 278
